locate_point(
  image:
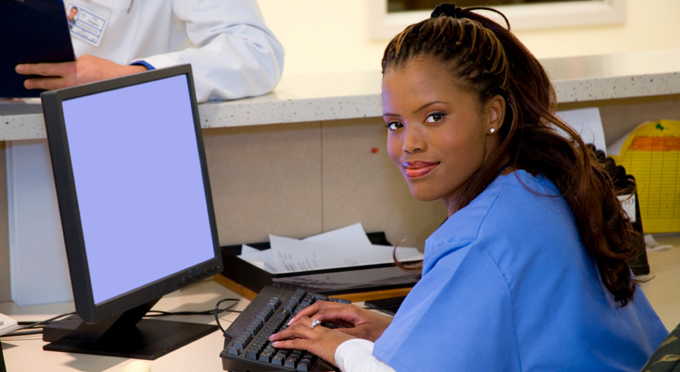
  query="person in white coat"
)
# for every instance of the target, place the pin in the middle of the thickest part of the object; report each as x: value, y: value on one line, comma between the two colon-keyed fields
x: 232, y: 52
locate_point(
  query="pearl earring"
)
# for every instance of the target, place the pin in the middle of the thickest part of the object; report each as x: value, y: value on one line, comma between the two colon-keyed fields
x: 492, y: 130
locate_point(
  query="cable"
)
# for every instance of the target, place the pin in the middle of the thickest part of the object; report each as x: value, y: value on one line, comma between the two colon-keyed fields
x: 218, y: 310
x: 157, y: 313
x: 43, y: 322
x: 38, y: 325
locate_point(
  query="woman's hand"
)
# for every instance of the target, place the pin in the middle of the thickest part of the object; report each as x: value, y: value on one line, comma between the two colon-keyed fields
x: 86, y: 69
x: 318, y: 340
x: 358, y: 322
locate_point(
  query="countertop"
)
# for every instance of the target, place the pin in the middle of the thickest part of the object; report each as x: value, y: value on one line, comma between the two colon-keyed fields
x: 351, y: 95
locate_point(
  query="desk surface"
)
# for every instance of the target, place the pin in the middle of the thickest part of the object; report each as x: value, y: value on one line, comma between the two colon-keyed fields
x: 25, y: 354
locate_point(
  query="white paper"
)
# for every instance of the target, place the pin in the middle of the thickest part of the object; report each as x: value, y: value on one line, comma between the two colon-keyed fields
x: 653, y: 246
x: 345, y: 247
x: 292, y: 255
x: 353, y: 234
x: 262, y: 259
x: 246, y: 249
x: 257, y: 264
x: 588, y: 124
x: 628, y: 205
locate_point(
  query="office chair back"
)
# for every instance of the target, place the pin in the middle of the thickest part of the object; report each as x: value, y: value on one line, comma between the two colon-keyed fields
x: 666, y: 358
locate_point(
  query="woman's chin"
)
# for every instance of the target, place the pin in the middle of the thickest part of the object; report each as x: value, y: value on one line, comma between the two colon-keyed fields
x: 424, y: 195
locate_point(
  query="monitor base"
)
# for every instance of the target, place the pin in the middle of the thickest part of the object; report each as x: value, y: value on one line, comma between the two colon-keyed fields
x: 149, y: 340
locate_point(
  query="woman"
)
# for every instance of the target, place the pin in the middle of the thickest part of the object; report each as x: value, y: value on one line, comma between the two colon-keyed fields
x: 529, y: 271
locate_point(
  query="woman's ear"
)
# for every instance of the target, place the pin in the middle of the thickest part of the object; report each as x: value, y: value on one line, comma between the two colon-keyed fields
x: 495, y: 113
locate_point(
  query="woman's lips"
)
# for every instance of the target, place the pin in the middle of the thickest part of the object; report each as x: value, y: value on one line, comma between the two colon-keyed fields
x: 418, y: 168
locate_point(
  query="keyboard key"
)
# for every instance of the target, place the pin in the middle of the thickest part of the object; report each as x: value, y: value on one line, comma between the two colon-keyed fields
x: 319, y: 297
x: 256, y: 347
x: 270, y: 329
x: 273, y: 303
x: 251, y: 354
x: 290, y: 305
x: 254, y: 327
x: 277, y: 360
x: 283, y: 314
x: 291, y: 361
x: 304, y: 365
x: 239, y: 343
x: 283, y: 353
x: 245, y: 336
x: 265, y: 357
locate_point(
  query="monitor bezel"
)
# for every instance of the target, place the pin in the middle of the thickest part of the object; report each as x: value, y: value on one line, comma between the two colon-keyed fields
x: 55, y: 126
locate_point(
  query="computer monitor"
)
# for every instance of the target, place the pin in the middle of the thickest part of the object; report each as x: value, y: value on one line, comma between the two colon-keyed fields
x: 136, y: 209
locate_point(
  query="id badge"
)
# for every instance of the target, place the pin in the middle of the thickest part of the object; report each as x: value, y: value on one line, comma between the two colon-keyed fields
x: 87, y: 21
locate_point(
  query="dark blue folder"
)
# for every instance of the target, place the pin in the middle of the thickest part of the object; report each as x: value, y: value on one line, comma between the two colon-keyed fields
x: 32, y: 31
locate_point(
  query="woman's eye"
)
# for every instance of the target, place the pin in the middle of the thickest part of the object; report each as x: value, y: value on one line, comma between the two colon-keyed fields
x: 434, y: 118
x: 394, y: 125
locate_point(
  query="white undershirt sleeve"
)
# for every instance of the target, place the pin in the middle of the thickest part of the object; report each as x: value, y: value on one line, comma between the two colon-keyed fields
x: 356, y: 355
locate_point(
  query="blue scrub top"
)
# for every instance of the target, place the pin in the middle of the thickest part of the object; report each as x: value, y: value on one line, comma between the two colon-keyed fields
x: 508, y: 286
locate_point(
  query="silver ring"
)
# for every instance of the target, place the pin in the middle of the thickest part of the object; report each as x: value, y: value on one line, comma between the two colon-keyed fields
x: 315, y: 323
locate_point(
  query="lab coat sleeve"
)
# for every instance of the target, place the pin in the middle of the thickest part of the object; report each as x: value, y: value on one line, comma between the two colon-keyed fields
x: 233, y: 53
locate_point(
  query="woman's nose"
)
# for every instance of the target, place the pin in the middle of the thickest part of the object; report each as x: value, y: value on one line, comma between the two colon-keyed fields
x: 413, y: 141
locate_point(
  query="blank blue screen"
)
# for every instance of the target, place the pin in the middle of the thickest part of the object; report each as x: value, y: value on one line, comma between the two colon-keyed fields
x: 139, y: 184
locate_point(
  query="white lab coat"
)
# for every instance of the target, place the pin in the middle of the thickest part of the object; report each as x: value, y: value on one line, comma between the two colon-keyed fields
x: 232, y: 52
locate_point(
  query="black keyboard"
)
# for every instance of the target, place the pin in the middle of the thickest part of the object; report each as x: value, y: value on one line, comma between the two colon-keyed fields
x: 246, y: 341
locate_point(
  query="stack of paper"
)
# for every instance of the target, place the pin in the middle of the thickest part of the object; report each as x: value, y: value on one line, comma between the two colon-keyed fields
x: 345, y: 247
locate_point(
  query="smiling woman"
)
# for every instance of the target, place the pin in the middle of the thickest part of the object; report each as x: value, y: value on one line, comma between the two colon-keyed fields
x: 529, y: 270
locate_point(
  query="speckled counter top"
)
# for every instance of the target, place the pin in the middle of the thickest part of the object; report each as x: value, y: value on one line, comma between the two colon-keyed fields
x: 304, y: 98
x: 611, y: 76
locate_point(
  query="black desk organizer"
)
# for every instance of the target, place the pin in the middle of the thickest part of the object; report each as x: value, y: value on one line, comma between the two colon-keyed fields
x: 638, y: 264
x: 2, y: 360
x: 328, y: 281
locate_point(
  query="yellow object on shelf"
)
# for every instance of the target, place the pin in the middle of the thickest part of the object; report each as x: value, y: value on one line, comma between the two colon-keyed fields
x: 651, y: 153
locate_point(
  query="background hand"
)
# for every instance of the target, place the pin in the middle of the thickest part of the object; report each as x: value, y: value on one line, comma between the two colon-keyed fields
x: 359, y: 323
x: 321, y: 341
x: 86, y: 69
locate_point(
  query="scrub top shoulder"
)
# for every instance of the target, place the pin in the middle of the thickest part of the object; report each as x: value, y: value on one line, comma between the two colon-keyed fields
x: 507, y: 285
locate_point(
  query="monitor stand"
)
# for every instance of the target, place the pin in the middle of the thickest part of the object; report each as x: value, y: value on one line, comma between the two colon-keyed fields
x: 126, y: 335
